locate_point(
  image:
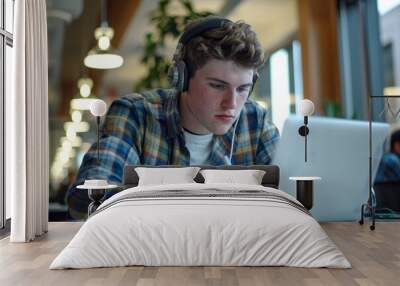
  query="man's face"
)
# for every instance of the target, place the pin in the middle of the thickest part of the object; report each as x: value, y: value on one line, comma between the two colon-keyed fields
x: 216, y: 95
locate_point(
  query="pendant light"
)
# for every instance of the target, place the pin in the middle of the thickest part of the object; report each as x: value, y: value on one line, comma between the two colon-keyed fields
x: 102, y: 56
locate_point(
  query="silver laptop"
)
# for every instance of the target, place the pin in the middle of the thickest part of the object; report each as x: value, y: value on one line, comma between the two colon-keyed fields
x: 338, y: 153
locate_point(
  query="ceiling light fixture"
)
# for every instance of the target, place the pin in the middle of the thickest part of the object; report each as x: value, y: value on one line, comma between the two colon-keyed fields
x: 76, y: 127
x: 102, y: 56
x: 76, y: 116
x: 81, y: 103
x: 85, y: 85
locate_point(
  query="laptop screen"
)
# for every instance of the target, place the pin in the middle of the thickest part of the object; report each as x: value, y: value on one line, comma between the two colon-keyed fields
x: 338, y: 152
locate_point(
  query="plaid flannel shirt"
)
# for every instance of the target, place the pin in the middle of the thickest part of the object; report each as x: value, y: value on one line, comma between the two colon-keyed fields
x: 145, y: 129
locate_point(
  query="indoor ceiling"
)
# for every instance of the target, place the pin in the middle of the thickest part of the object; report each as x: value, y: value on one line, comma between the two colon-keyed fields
x: 273, y: 20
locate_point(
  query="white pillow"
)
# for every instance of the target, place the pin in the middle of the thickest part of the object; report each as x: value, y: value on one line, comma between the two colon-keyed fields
x: 163, y: 176
x: 249, y: 177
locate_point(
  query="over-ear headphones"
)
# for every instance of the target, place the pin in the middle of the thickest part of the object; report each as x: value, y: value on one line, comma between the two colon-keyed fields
x: 179, y: 73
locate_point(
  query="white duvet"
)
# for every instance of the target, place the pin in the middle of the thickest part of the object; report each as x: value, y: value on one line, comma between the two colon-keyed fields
x: 200, y: 231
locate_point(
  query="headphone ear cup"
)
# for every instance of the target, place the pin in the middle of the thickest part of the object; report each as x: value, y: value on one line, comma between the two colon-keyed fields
x: 173, y: 75
x: 182, y: 71
x: 177, y: 76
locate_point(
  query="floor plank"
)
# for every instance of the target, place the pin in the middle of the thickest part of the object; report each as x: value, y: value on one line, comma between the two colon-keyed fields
x: 374, y: 255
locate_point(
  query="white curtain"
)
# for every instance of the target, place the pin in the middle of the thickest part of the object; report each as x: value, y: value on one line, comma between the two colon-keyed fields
x: 27, y: 135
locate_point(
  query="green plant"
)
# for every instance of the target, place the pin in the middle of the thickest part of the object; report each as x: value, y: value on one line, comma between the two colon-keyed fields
x: 167, y: 25
x: 332, y: 109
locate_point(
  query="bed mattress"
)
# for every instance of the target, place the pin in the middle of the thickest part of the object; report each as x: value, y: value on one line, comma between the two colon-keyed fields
x: 201, y: 225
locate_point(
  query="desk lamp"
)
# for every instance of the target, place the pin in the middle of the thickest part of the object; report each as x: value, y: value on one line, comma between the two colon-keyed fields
x: 96, y: 188
x: 306, y: 109
x: 98, y: 108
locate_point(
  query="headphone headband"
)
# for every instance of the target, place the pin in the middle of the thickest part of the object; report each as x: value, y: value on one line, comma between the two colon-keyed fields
x: 178, y: 72
x: 201, y: 27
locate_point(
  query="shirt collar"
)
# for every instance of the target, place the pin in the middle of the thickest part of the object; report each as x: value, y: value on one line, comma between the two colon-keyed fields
x: 221, y: 147
x: 172, y: 115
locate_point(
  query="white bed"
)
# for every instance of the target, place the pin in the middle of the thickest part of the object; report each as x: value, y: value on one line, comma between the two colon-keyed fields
x: 250, y: 225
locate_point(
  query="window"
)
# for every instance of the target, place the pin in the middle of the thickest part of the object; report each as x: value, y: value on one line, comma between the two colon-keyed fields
x: 388, y: 65
x: 9, y: 18
x: 280, y: 89
x: 286, y: 85
x: 360, y: 57
x: 390, y: 42
x: 6, y: 43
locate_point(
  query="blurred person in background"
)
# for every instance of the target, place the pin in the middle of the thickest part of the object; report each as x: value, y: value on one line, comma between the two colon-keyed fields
x: 389, y: 167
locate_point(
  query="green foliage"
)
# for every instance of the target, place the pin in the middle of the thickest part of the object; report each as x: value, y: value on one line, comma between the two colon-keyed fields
x: 332, y: 109
x: 167, y: 25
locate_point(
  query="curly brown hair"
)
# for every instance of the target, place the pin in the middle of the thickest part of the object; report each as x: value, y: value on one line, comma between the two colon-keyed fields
x: 234, y: 41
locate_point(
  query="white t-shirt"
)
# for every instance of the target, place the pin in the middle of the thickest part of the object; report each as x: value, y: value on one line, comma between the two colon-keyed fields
x: 199, y: 147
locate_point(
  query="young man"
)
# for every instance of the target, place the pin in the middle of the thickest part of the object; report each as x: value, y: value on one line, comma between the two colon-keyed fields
x: 206, y: 118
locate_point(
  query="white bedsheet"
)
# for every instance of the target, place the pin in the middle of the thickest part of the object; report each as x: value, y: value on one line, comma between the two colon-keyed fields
x: 200, y: 231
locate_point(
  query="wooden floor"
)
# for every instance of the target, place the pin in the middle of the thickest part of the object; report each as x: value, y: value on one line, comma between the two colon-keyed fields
x: 374, y: 255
